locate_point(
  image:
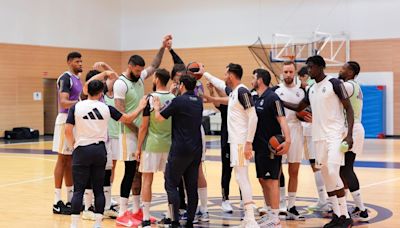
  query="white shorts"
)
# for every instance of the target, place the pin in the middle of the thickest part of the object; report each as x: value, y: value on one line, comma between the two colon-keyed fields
x: 203, y: 141
x: 113, y: 152
x: 151, y: 162
x: 128, y: 146
x: 296, y: 149
x: 309, y: 148
x: 59, y: 141
x: 328, y: 151
x: 237, y: 155
x: 358, y: 138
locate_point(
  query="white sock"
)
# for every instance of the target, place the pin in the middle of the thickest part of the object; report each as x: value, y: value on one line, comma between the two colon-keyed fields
x: 319, y: 182
x: 269, y: 211
x: 57, y: 195
x: 70, y: 193
x: 203, y: 199
x: 146, y: 211
x: 292, y: 199
x: 274, y: 214
x: 249, y: 211
x: 123, y: 205
x: 88, y: 198
x: 347, y: 193
x: 98, y: 218
x: 136, y: 203
x: 282, y: 195
x: 107, y: 195
x: 74, y: 220
x: 357, y: 200
x: 335, y: 205
x: 343, y: 207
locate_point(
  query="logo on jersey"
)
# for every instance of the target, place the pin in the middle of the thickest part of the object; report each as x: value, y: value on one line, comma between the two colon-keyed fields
x: 298, y: 94
x: 93, y: 114
x: 262, y: 102
x: 324, y: 90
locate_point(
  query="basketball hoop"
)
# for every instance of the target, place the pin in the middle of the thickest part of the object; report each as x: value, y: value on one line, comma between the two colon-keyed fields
x: 289, y: 57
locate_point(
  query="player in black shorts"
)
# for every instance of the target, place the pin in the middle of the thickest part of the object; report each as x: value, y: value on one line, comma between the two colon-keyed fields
x: 271, y: 121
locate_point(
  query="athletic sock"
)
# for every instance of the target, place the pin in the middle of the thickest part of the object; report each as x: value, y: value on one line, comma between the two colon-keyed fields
x: 343, y: 206
x: 292, y: 199
x: 70, y: 193
x: 249, y: 211
x: 107, y: 195
x: 357, y: 200
x: 136, y: 204
x: 88, y: 198
x: 335, y: 205
x: 319, y: 182
x: 203, y: 199
x: 57, y: 195
x: 282, y: 194
x: 123, y: 205
x: 146, y: 211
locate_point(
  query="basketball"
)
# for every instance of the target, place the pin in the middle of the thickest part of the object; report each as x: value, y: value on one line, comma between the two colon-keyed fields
x: 274, y: 143
x: 300, y: 115
x: 192, y: 68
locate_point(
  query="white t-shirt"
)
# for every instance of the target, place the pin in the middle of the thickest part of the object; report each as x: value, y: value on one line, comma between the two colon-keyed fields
x: 293, y: 95
x: 328, y: 114
x: 90, y: 118
x: 120, y: 88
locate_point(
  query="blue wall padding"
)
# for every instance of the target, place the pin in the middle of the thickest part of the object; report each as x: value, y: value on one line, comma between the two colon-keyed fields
x: 374, y: 111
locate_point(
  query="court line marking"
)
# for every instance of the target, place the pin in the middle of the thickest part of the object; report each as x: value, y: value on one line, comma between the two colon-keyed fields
x: 35, y: 158
x: 380, y: 182
x: 26, y: 181
x: 22, y: 143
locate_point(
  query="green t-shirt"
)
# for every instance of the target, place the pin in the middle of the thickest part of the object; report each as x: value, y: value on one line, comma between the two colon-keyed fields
x: 113, y: 126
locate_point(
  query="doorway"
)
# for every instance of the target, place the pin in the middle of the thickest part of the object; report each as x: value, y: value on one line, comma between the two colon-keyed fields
x: 50, y: 105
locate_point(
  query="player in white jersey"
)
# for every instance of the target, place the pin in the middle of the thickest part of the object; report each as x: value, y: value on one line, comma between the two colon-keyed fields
x: 348, y: 73
x: 309, y: 149
x: 290, y: 92
x: 329, y: 102
x: 90, y: 119
x: 242, y: 124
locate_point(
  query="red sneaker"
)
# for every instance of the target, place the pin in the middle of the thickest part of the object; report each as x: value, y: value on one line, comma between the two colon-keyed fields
x: 138, y: 215
x: 125, y: 219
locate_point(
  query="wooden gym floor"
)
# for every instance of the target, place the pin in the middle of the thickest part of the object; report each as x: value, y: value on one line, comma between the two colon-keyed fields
x: 26, y: 187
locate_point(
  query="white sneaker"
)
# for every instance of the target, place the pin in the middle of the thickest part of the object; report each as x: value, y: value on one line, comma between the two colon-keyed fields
x: 226, y: 207
x: 271, y: 223
x: 263, y: 219
x: 319, y: 206
x: 262, y: 211
x: 248, y: 224
x: 111, y: 213
x: 88, y: 215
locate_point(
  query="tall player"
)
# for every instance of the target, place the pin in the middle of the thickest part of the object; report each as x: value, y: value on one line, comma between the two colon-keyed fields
x: 69, y: 88
x: 329, y: 100
x: 154, y: 141
x: 322, y: 204
x: 290, y: 92
x: 242, y: 123
x: 128, y: 90
x: 348, y: 73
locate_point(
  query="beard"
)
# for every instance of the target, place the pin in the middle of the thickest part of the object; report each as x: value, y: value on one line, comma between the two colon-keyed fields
x: 342, y: 77
x: 133, y: 77
x: 288, y: 81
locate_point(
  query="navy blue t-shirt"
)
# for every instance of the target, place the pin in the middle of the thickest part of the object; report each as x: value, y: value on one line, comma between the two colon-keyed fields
x: 268, y: 107
x: 187, y: 113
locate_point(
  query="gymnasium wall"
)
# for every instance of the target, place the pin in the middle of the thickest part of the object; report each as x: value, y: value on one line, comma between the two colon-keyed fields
x: 22, y: 69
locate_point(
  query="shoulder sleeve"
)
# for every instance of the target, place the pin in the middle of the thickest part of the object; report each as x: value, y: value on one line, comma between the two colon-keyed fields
x: 228, y: 90
x: 71, y: 115
x: 349, y: 88
x: 115, y: 114
x: 120, y: 88
x: 169, y: 108
x: 64, y: 84
x: 175, y: 57
x: 277, y: 106
x: 149, y: 107
x: 275, y: 88
x: 339, y: 88
x: 245, y: 98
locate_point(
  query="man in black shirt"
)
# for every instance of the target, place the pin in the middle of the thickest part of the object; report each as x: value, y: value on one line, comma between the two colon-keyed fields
x: 271, y: 121
x: 185, y: 154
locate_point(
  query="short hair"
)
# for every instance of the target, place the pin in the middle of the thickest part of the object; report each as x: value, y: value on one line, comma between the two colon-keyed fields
x: 163, y: 75
x: 264, y: 75
x: 91, y: 73
x: 235, y: 69
x: 188, y: 81
x: 354, y: 66
x: 73, y: 55
x: 303, y: 71
x: 179, y: 67
x: 287, y: 63
x: 95, y: 87
x: 136, y: 60
x: 317, y: 60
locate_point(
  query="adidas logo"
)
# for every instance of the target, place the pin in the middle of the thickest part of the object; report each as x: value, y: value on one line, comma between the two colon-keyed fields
x: 267, y: 174
x: 92, y: 114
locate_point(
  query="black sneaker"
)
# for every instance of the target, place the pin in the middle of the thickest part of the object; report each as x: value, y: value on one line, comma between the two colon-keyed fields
x: 174, y: 224
x: 359, y: 215
x: 333, y: 223
x: 146, y: 224
x: 344, y: 222
x: 165, y: 222
x: 68, y: 204
x: 61, y: 208
x: 293, y: 214
x: 189, y: 225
